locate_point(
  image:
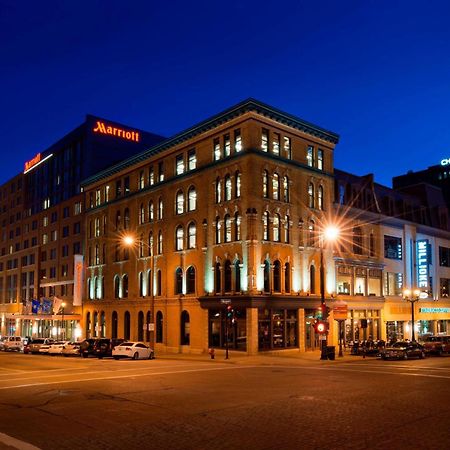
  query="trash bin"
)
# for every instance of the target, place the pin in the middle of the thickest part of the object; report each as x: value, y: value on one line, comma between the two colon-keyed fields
x: 331, y: 352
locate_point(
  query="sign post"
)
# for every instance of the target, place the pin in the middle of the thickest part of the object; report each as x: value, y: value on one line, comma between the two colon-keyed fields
x: 340, y: 312
x: 227, y: 303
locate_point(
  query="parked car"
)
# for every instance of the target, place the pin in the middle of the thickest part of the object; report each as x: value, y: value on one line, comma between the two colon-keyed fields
x: 13, y: 344
x: 35, y: 345
x: 134, y: 350
x: 403, y: 350
x: 2, y: 342
x: 44, y: 348
x: 103, y: 347
x: 437, y: 345
x: 71, y: 349
x: 57, y: 347
x: 87, y: 347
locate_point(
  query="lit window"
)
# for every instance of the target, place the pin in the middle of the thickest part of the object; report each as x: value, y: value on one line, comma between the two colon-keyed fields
x: 285, y: 189
x: 237, y: 141
x: 287, y: 236
x: 160, y: 209
x: 311, y: 195
x: 141, y: 214
x: 97, y: 197
x: 192, y: 199
x: 276, y: 186
x: 179, y: 165
x: 226, y: 145
x: 276, y: 143
x: 217, y: 152
x: 311, y: 233
x: 266, y: 226
x: 310, y: 156
x: 265, y: 184
x: 276, y: 227
x: 218, y: 231
x: 320, y: 159
x: 320, y: 197
x: 227, y: 188
x: 192, y: 235
x: 161, y: 171
x: 179, y: 238
x: 97, y: 227
x: 192, y: 159
x: 151, y: 214
x: 237, y: 181
x: 218, y: 191
x: 265, y: 140
x: 180, y: 202
x: 160, y: 243
x: 237, y: 227
x: 287, y: 147
x: 141, y: 182
x: 227, y: 221
x: 151, y: 176
x: 107, y: 188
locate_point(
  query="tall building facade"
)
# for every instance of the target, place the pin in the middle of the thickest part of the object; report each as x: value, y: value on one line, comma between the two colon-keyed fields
x: 42, y: 223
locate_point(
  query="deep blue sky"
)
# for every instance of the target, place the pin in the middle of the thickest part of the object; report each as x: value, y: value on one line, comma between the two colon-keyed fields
x: 375, y: 72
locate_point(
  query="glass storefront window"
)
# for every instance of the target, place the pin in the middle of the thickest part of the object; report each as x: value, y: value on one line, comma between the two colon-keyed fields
x: 277, y: 329
x: 237, y: 329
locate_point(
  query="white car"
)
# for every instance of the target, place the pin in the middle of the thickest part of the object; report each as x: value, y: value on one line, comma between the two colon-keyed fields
x: 71, y: 349
x: 57, y: 347
x: 13, y: 344
x: 134, y: 350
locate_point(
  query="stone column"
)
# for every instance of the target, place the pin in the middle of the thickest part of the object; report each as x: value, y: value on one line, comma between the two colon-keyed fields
x: 301, y: 330
x: 252, y: 331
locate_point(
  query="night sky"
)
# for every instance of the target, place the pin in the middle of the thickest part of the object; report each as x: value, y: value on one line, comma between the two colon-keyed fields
x: 375, y: 72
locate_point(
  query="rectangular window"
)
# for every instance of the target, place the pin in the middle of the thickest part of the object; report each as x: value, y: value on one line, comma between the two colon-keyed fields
x: 107, y: 193
x: 54, y: 217
x: 237, y: 141
x: 217, y: 152
x: 393, y: 247
x: 444, y: 256
x: 97, y: 197
x: 126, y: 185
x: 320, y: 159
x: 179, y: 165
x: 265, y: 140
x: 393, y: 283
x: 151, y: 176
x: 76, y: 248
x: 65, y: 231
x: 276, y: 143
x: 310, y: 156
x: 192, y: 159
x: 161, y: 171
x: 66, y: 212
x: 77, y: 228
x: 226, y: 145
x: 287, y: 147
x: 118, y: 188
x: 77, y: 208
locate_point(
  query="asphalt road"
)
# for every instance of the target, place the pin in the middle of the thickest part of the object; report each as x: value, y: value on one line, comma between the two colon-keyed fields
x: 245, y: 403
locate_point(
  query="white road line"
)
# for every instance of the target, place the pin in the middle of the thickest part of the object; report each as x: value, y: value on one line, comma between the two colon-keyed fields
x: 125, y: 376
x: 16, y: 443
x: 397, y: 366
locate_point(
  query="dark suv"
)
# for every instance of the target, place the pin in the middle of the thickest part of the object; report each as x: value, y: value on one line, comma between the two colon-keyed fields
x: 104, y: 347
x: 438, y: 345
x: 87, y: 347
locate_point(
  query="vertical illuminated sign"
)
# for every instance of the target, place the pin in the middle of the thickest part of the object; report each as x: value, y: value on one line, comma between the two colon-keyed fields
x: 422, y: 263
x: 77, y: 280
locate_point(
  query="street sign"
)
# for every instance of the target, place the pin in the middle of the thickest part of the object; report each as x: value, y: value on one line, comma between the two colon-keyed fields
x: 151, y: 327
x: 340, y: 310
x: 225, y: 301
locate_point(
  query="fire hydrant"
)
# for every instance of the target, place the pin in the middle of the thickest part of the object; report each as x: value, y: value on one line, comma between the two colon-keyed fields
x: 211, y: 352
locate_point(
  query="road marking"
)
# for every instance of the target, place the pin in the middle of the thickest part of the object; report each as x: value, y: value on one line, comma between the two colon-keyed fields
x: 16, y: 443
x: 398, y: 366
x: 125, y: 376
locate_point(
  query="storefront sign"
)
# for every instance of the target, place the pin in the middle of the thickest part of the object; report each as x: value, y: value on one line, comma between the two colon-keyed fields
x: 340, y: 310
x: 33, y: 163
x: 434, y: 310
x: 422, y: 263
x: 114, y: 131
x: 77, y: 280
x: 445, y: 162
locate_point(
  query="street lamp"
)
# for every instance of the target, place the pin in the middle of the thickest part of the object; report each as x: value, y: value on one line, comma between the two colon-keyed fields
x: 329, y: 233
x: 412, y: 296
x: 130, y: 241
x: 63, y: 305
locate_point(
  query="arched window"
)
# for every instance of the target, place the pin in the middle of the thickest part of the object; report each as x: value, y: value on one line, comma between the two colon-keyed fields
x: 179, y: 239
x: 357, y: 241
x: 159, y: 327
x: 371, y: 245
x: 227, y: 221
x: 287, y: 230
x: 160, y: 209
x: 125, y: 286
x: 227, y: 276
x: 218, y: 191
x: 141, y: 214
x: 102, y: 325
x: 140, y: 326
x: 149, y: 282
x: 218, y: 230
x: 118, y: 220
x: 320, y: 198
x: 287, y: 277
x: 192, y: 235
x: 237, y: 227
x: 237, y: 184
x: 276, y: 228
x: 237, y: 276
x: 126, y: 326
x: 192, y: 199
x: 141, y: 284
x: 95, y: 327
x: 126, y: 253
x: 266, y: 276
x: 116, y: 286
x: 148, y: 321
x: 312, y: 279
x: 141, y: 246
x: 151, y: 212
x: 160, y: 242
x: 89, y: 288
x: 179, y: 203
x: 217, y: 277
x: 88, y: 325
x: 277, y: 276
x: 97, y: 227
x: 311, y: 195
x: 311, y: 234
x: 185, y: 329
x: 150, y: 244
x: 276, y: 186
x: 158, y: 283
x: 266, y: 226
x: 117, y: 252
x: 114, y: 325
x: 227, y: 188
x: 126, y: 219
x: 190, y: 280
x: 98, y: 287
x: 285, y: 189
x: 265, y: 184
x: 179, y: 281
x: 141, y: 183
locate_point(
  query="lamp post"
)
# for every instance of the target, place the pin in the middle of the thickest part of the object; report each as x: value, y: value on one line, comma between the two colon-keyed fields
x: 412, y: 296
x: 329, y: 233
x: 131, y: 241
x: 63, y: 305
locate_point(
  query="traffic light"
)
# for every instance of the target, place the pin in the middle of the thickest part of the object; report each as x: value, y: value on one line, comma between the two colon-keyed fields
x: 229, y: 312
x: 322, y: 312
x: 320, y: 327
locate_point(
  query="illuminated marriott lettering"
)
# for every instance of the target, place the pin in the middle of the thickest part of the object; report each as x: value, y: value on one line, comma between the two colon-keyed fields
x: 119, y: 132
x: 36, y: 161
x: 422, y: 263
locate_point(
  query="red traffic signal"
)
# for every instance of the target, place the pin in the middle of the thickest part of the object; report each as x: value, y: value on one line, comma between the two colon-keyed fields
x: 320, y: 327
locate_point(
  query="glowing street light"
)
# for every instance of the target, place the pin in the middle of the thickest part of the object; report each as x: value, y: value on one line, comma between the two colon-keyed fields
x: 412, y: 296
